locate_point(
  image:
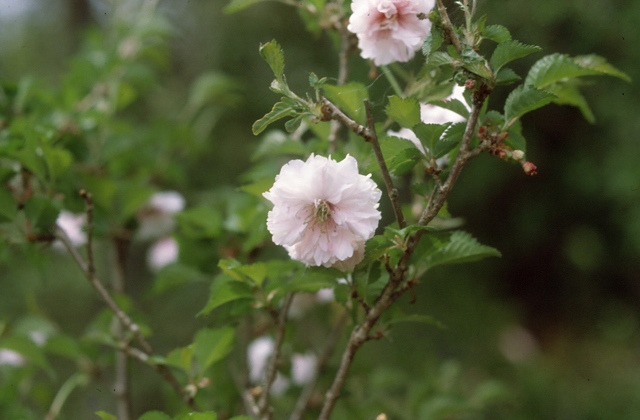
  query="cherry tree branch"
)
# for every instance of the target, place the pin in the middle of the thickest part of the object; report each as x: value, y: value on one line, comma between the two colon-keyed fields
x: 448, y: 26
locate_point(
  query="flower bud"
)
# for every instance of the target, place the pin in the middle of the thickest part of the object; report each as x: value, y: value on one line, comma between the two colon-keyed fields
x: 517, y: 154
x: 529, y: 168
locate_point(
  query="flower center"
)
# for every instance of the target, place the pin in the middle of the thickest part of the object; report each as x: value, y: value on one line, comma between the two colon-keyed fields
x: 319, y: 215
x: 322, y: 212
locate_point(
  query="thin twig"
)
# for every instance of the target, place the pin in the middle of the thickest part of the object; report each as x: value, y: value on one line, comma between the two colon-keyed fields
x: 448, y: 26
x: 391, y: 189
x: 271, y: 369
x: 124, y: 319
x: 332, y: 112
x: 343, y: 67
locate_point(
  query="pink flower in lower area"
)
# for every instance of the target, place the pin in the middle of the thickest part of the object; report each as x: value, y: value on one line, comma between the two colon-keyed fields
x: 323, y: 211
x: 162, y: 253
x: 390, y: 30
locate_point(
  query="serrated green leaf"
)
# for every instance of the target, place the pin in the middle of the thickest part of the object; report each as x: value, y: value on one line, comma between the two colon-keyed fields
x: 58, y: 161
x: 225, y: 289
x: 312, y: 279
x: 496, y: 33
x: 400, y: 155
x: 375, y: 248
x: 428, y: 134
x: 555, y: 68
x: 181, y: 358
x: 282, y: 109
x: 600, y: 64
x: 569, y: 94
x: 460, y: 247
x: 508, y: 51
x: 449, y: 140
x: 439, y: 58
x: 515, y: 140
x: 349, y: 98
x: 211, y: 345
x: 404, y: 111
x: 454, y: 105
x: 506, y: 76
x: 274, y: 56
x: 523, y: 99
x: 433, y: 42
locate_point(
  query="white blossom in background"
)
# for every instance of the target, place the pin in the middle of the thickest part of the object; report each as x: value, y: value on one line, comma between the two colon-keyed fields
x: 303, y: 368
x: 433, y: 114
x: 323, y: 211
x: 258, y: 354
x: 390, y: 30
x: 155, y: 219
x: 163, y: 252
x: 73, y: 226
x: 11, y: 358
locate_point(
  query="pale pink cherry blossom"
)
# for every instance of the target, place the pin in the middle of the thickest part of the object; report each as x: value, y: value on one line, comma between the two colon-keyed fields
x: 73, y: 226
x: 258, y: 353
x: 11, y: 358
x: 156, y: 217
x: 303, y: 368
x: 162, y: 253
x: 323, y: 211
x: 390, y: 30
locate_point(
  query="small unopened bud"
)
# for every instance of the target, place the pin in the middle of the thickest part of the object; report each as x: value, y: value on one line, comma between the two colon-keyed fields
x: 502, y: 154
x: 517, y: 154
x: 469, y: 84
x: 482, y: 130
x: 529, y: 168
x: 381, y: 417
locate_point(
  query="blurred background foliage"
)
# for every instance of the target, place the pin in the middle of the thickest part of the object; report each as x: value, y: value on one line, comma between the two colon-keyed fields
x: 550, y: 330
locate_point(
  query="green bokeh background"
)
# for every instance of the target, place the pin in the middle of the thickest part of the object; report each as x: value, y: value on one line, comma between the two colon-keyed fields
x: 569, y: 278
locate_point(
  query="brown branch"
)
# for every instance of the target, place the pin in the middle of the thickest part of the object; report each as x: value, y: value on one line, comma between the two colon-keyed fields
x: 124, y: 319
x: 271, y: 370
x: 392, y: 192
x: 332, y: 112
x: 448, y: 26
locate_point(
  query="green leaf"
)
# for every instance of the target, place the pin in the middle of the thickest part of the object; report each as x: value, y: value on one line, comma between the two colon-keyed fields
x: 154, y: 415
x: 175, y: 275
x: 8, y: 206
x: 475, y: 63
x: 209, y: 415
x: 555, y: 68
x: 181, y: 358
x: 58, y: 161
x: 440, y: 58
x: 274, y: 56
x: 600, y: 64
x: 42, y: 212
x: 459, y: 247
x: 238, y: 5
x: 424, y: 319
x: 400, y: 155
x: 293, y: 124
x: 508, y: 51
x: 200, y: 222
x: 106, y: 416
x: 496, y: 33
x: 451, y: 138
x: 349, y: 98
x: 506, y: 76
x: 568, y: 93
x: 282, y: 109
x: 405, y: 112
x: 28, y: 349
x: 433, y: 42
x: 429, y: 134
x: 225, y: 289
x: 523, y: 99
x: 211, y: 346
x: 454, y: 105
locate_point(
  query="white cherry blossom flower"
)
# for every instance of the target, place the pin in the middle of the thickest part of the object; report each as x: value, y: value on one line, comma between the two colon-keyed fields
x: 323, y: 211
x: 390, y: 30
x: 163, y: 252
x: 303, y: 368
x: 156, y: 217
x: 72, y: 225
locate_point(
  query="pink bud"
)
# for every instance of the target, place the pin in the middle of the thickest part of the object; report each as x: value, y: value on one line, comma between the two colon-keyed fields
x: 529, y: 168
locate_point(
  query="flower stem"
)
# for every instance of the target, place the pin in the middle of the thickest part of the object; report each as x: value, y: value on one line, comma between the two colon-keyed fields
x: 392, y: 81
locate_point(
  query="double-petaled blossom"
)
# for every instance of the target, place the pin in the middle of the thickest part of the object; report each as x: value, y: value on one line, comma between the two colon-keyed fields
x: 323, y: 211
x: 390, y: 30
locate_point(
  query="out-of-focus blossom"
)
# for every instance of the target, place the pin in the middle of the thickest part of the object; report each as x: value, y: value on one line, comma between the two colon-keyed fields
x: 390, y: 30
x: 323, y: 211
x: 156, y: 217
x: 11, y: 358
x: 517, y: 344
x: 258, y: 354
x: 163, y: 252
x: 72, y: 225
x: 303, y: 368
